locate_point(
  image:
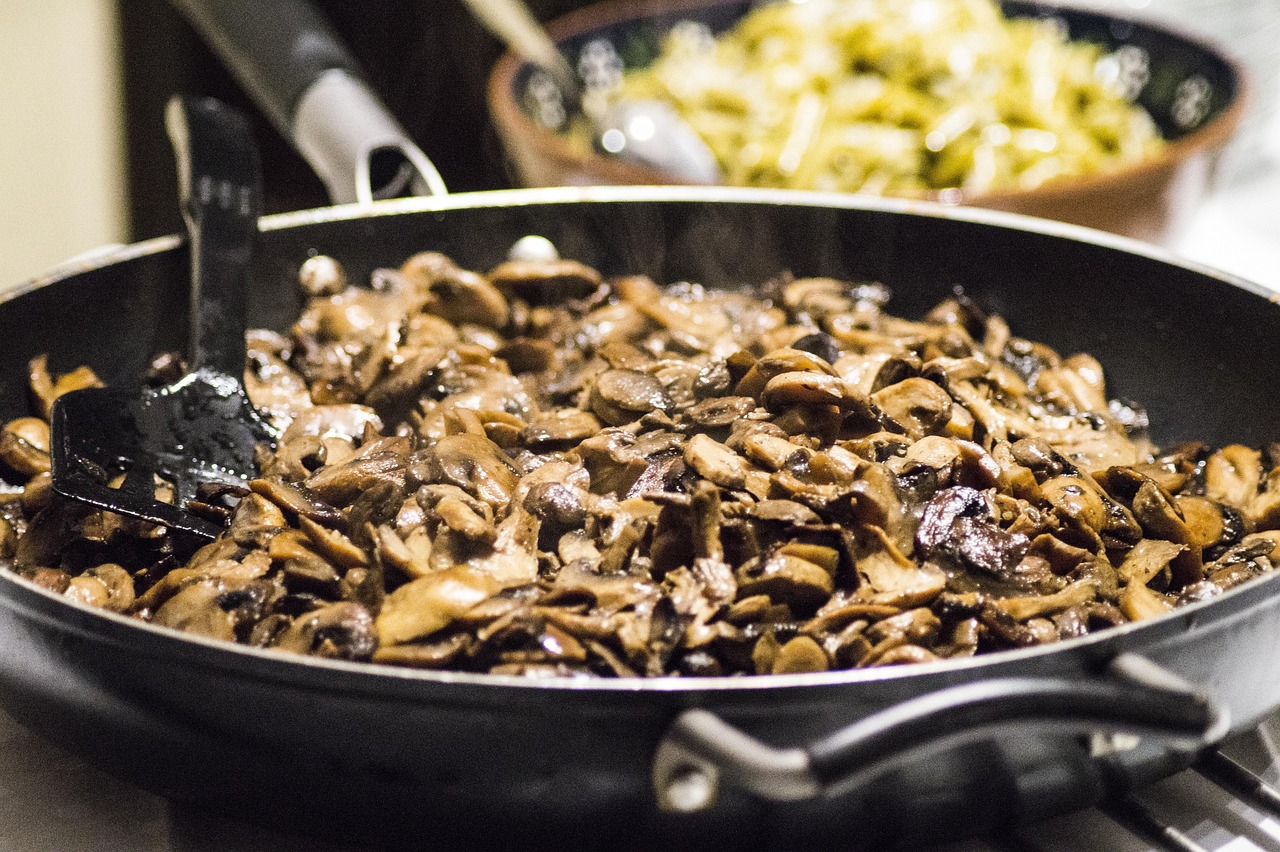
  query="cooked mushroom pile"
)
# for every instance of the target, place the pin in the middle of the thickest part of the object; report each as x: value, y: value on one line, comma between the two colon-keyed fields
x: 540, y: 471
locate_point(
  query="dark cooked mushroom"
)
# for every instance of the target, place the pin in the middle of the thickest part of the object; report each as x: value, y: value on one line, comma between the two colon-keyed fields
x: 343, y: 631
x: 24, y: 445
x: 620, y: 396
x: 545, y: 282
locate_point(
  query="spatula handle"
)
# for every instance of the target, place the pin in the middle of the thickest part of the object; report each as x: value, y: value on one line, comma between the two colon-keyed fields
x: 220, y: 190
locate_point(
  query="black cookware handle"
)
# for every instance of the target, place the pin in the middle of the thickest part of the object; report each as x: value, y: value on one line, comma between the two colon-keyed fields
x: 700, y: 751
x: 220, y: 191
x: 287, y: 56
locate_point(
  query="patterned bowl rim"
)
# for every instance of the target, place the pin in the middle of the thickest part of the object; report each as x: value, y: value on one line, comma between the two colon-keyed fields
x: 515, y: 124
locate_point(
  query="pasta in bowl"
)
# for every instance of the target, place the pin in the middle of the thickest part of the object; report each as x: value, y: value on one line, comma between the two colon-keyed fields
x: 1045, y: 110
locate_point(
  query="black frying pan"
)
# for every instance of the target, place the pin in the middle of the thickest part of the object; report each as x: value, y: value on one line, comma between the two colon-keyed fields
x: 855, y: 759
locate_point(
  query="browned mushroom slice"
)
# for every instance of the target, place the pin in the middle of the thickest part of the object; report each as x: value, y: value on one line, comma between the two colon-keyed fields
x: 1061, y: 557
x: 303, y: 567
x: 917, y: 626
x: 720, y: 412
x: 877, y: 501
x: 1092, y: 440
x: 458, y: 295
x: 333, y: 545
x: 1155, y: 509
x: 806, y: 387
x: 118, y: 584
x: 612, y: 462
x: 1263, y: 511
x: 890, y: 577
x: 716, y: 462
x: 918, y: 405
x: 545, y: 282
x: 429, y: 603
x: 944, y: 509
x: 24, y: 445
x: 1211, y: 523
x: 1244, y: 560
x: 775, y: 453
x: 460, y: 517
x: 348, y: 422
x: 788, y: 579
x: 272, y: 385
x: 841, y: 610
x: 1076, y: 502
x: 512, y: 557
x: 687, y: 317
x: 620, y: 396
x: 45, y: 389
x: 1077, y: 384
x: 1147, y: 559
x: 776, y: 363
x: 296, y: 500
x: 440, y: 654
x: 89, y: 591
x: 1232, y: 475
x: 1139, y: 602
x: 798, y: 655
x: 940, y: 454
x: 614, y: 322
x: 343, y: 631
x: 354, y: 315
x: 472, y: 463
x: 1026, y: 607
x: 527, y: 354
x: 196, y: 609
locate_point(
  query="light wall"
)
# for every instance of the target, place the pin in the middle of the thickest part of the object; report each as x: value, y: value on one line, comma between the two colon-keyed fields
x: 62, y: 179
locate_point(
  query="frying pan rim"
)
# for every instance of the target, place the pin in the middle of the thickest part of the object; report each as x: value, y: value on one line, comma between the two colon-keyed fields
x: 570, y: 195
x: 359, y: 677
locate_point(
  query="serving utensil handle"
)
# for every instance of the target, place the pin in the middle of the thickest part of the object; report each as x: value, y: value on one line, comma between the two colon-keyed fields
x: 220, y: 192
x: 289, y: 59
x: 701, y: 751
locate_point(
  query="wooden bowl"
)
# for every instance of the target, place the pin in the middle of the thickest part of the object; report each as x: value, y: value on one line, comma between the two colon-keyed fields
x: 1195, y: 94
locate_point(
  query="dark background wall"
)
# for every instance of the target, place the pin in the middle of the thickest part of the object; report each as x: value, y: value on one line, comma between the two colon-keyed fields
x: 427, y: 59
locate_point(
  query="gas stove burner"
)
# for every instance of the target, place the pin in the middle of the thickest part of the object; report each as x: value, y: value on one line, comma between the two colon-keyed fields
x: 1229, y: 801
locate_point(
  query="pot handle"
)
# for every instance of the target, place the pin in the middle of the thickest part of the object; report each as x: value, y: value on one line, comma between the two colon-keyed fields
x: 289, y: 59
x: 700, y: 750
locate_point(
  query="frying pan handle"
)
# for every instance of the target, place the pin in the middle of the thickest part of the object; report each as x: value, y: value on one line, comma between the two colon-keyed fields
x: 700, y: 750
x: 287, y: 56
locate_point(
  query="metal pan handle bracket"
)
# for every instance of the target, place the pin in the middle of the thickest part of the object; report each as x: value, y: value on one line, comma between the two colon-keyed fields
x: 700, y: 751
x: 347, y: 136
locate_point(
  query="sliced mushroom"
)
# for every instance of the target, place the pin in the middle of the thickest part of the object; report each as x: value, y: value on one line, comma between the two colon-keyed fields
x: 918, y: 405
x: 620, y: 396
x: 457, y: 295
x: 474, y: 464
x: 1232, y: 475
x: 343, y: 631
x: 716, y: 462
x: 24, y: 445
x: 425, y: 605
x: 545, y: 282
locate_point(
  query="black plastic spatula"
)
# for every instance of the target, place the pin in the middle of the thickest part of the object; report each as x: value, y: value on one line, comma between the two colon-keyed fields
x: 201, y: 428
